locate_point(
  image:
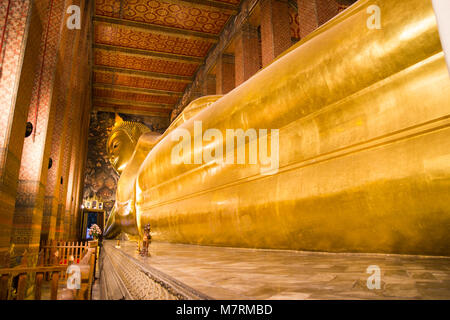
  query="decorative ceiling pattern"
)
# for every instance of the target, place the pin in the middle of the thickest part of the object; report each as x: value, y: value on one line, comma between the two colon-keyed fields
x: 178, y: 14
x: 127, y: 61
x: 146, y: 52
x: 126, y: 37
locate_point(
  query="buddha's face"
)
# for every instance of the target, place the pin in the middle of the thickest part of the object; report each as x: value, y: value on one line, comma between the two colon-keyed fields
x: 120, y: 149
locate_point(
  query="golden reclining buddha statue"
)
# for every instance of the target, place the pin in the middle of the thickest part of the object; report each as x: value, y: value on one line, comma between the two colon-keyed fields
x: 362, y: 120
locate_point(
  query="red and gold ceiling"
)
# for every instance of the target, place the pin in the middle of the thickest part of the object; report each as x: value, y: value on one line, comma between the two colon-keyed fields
x: 146, y: 52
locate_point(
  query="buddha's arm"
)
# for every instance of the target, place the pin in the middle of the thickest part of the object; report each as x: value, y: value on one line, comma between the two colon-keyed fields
x: 112, y: 229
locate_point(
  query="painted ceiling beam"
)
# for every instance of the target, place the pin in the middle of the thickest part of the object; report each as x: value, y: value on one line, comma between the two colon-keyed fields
x: 226, y: 7
x: 153, y: 28
x: 147, y: 74
x: 137, y: 90
x: 134, y: 111
x: 130, y: 103
x: 149, y: 54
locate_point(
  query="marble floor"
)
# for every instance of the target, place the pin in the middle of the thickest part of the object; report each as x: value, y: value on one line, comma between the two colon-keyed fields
x: 236, y: 273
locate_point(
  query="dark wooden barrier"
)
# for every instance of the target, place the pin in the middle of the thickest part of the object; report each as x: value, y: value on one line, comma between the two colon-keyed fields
x: 22, y: 272
x: 54, y: 258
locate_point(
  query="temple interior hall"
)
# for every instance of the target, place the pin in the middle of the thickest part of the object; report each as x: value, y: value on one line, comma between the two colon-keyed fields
x: 224, y: 149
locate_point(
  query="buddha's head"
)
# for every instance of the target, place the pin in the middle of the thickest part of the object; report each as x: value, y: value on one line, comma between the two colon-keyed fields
x: 122, y: 142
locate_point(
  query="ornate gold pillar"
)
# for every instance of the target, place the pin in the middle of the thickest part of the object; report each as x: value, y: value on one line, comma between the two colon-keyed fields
x: 17, y: 53
x: 29, y: 203
x: 65, y: 72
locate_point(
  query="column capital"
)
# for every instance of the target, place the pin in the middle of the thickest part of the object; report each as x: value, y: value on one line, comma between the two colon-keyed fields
x: 248, y: 30
x: 282, y: 1
x: 226, y: 58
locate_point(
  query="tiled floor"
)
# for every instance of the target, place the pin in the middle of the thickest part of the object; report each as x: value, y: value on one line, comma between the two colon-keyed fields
x: 234, y: 273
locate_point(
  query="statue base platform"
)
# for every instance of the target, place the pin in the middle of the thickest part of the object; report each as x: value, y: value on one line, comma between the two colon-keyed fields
x: 178, y: 271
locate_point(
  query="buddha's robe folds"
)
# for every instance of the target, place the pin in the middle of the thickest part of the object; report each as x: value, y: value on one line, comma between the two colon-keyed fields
x: 364, y: 147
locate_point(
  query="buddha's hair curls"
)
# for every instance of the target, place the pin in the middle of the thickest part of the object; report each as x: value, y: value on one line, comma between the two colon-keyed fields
x: 132, y: 129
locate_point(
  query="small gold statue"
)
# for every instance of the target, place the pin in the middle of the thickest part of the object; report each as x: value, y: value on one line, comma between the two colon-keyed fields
x: 146, y: 240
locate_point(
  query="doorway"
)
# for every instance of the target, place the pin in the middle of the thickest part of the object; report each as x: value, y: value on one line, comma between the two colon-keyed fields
x: 90, y: 217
